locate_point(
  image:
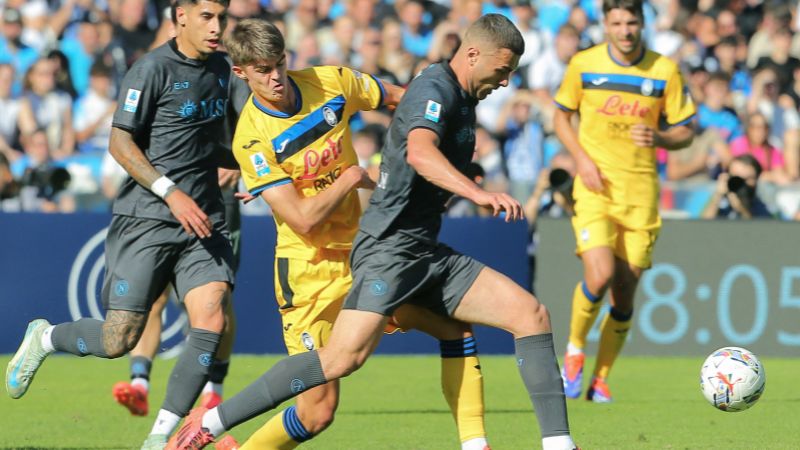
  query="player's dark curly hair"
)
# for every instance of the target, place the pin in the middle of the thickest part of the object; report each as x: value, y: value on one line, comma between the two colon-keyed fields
x: 632, y: 6
x: 176, y: 3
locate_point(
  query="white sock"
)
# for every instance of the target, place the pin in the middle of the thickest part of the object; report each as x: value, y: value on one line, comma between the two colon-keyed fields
x: 475, y: 444
x: 558, y: 443
x: 212, y: 422
x: 213, y: 387
x: 47, y: 339
x: 166, y: 422
x: 573, y: 350
x: 141, y: 382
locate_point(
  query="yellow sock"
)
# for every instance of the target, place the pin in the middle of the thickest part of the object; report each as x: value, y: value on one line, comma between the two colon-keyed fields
x: 462, y: 385
x: 585, y: 307
x: 271, y: 436
x: 612, y: 338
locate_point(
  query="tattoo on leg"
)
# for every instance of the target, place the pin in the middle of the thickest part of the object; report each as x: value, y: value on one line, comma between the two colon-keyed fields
x: 121, y: 331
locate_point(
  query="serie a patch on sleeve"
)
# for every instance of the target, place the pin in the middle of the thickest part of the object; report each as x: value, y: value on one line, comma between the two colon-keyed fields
x: 432, y: 111
x: 259, y: 164
x: 132, y: 100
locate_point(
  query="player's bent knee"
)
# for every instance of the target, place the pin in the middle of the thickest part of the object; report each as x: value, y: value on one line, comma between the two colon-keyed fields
x: 321, y: 419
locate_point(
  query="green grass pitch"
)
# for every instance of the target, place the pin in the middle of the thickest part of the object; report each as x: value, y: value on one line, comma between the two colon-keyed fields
x: 395, y: 402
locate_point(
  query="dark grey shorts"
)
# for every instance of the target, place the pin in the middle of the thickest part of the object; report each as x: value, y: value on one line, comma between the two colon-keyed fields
x: 143, y: 256
x: 399, y: 269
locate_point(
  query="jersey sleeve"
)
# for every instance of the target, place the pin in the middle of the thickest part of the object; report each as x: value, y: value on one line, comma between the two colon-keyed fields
x: 138, y: 96
x: 570, y: 92
x: 256, y: 158
x: 364, y: 91
x: 427, y: 105
x: 678, y: 105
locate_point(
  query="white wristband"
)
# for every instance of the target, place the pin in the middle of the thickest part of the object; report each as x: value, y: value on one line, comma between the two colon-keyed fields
x: 161, y: 186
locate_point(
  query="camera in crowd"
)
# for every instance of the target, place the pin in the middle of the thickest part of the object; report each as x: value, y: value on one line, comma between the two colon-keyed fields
x: 561, y: 182
x: 48, y: 179
x: 745, y: 192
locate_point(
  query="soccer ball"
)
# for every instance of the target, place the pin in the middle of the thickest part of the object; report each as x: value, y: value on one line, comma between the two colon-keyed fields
x: 732, y: 379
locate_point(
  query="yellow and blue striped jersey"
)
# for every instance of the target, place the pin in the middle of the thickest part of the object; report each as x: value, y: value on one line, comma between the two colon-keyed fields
x: 310, y: 149
x: 610, y: 98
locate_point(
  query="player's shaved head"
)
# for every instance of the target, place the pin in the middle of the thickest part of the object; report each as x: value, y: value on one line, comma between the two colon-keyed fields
x: 496, y: 31
x: 254, y: 40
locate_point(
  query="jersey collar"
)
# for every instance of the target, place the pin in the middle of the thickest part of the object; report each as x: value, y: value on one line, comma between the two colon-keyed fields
x: 622, y: 64
x: 173, y: 44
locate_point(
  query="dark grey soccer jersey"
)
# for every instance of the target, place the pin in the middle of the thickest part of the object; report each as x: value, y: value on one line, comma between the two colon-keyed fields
x: 404, y: 201
x: 175, y: 109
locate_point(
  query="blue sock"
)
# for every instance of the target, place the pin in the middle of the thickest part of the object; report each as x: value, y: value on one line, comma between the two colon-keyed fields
x: 294, y: 428
x: 458, y: 348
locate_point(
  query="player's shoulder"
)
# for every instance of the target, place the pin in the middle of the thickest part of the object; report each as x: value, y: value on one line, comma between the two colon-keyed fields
x: 660, y: 63
x: 434, y: 80
x: 591, y: 56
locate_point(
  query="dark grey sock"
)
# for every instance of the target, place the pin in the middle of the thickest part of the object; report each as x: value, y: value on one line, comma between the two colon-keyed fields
x: 191, y: 371
x: 140, y: 367
x: 82, y: 337
x: 219, y: 370
x: 287, y: 378
x: 538, y: 366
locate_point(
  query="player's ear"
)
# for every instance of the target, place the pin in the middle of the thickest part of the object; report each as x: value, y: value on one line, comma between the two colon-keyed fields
x: 239, y: 72
x: 472, y: 55
x: 180, y: 15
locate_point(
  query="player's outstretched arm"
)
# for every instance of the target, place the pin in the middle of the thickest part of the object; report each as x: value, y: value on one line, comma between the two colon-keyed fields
x: 429, y: 162
x: 305, y: 214
x: 394, y: 94
x: 123, y: 148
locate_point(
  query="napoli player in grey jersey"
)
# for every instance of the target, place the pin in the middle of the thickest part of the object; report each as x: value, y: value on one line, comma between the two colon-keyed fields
x: 396, y: 257
x: 168, y: 223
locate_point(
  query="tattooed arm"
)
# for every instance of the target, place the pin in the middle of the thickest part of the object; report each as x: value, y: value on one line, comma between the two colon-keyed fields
x: 132, y: 159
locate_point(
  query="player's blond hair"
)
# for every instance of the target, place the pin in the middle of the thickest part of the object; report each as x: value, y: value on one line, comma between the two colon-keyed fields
x: 496, y: 30
x: 254, y: 40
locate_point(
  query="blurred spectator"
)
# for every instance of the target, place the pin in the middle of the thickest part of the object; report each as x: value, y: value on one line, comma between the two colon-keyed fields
x: 590, y: 34
x: 417, y: 36
x: 546, y: 73
x: 367, y: 59
x: 81, y: 51
x: 445, y: 42
x: 131, y: 31
x: 10, y: 114
x: 336, y: 42
x: 780, y: 111
x: 63, y: 77
x: 524, y: 16
x: 394, y: 57
x: 112, y: 175
x: 367, y: 145
x: 36, y: 31
x: 728, y: 63
x: 94, y: 111
x: 756, y: 143
x: 43, y: 184
x: 735, y: 196
x: 776, y: 17
x: 44, y: 107
x: 714, y: 112
x: 300, y: 21
x: 9, y: 188
x: 522, y: 148
x: 702, y: 160
x: 552, y: 15
x: 490, y: 158
x: 12, y: 50
x: 779, y: 60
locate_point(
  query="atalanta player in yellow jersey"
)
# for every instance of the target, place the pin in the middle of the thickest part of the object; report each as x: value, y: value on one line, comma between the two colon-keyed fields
x: 630, y: 100
x: 293, y: 143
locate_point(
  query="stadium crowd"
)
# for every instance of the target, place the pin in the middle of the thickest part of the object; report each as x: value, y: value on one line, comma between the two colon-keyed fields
x: 61, y: 62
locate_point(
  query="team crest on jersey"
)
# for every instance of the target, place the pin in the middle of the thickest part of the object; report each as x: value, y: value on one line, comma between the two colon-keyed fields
x: 132, y: 100
x: 330, y: 116
x: 308, y: 341
x: 432, y: 111
x: 259, y: 164
x: 647, y: 87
